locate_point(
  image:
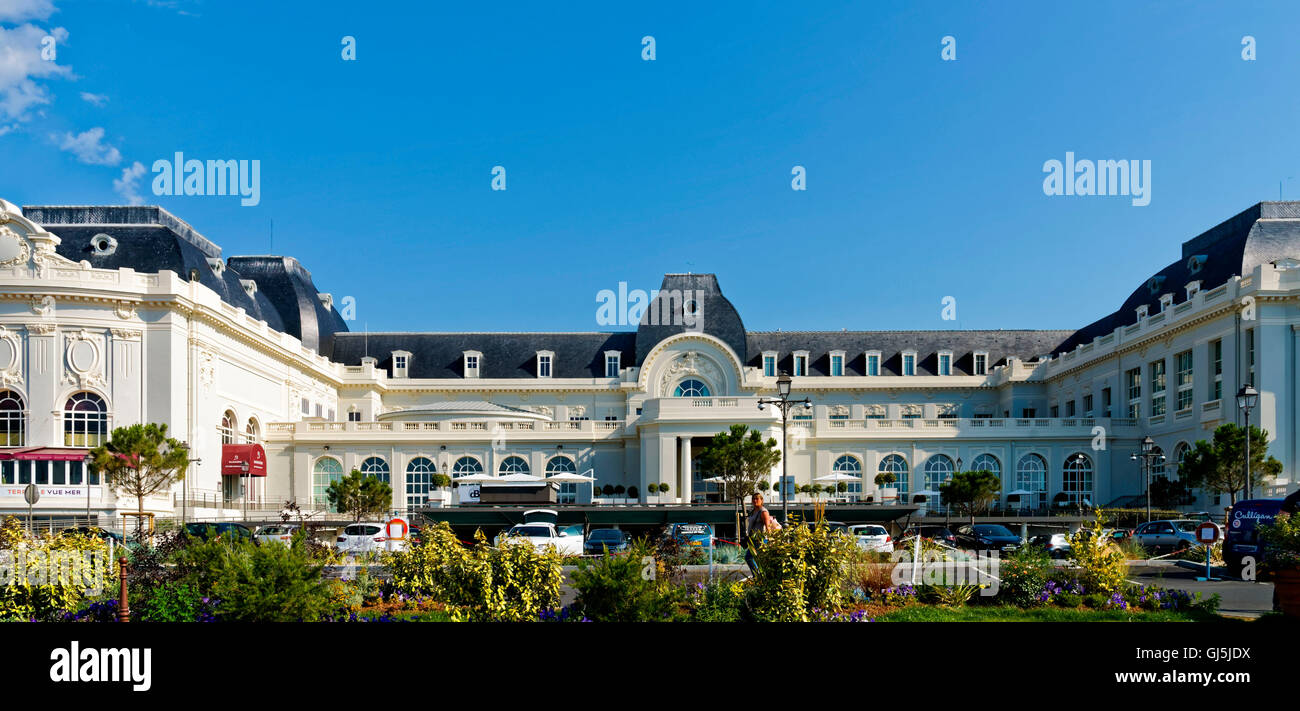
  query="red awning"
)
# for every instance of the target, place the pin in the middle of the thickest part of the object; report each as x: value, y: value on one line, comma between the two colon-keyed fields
x: 43, y: 454
x: 233, y: 457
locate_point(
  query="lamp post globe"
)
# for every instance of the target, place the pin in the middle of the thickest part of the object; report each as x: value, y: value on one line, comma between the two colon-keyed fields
x: 783, y: 384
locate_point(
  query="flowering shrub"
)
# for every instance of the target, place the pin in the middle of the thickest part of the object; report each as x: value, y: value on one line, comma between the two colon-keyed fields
x: 800, y: 568
x: 1024, y: 574
x: 1103, y: 566
x: 901, y: 595
x: 624, y: 588
x: 44, y: 577
x: 719, y: 602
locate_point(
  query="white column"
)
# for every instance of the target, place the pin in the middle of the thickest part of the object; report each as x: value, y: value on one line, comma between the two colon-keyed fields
x: 684, y: 471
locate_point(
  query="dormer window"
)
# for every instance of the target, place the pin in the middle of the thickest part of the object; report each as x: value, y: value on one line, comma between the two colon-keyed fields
x: 1154, y: 284
x: 401, y: 361
x: 1142, y: 311
x: 769, y: 364
x: 473, y: 361
x: 1195, y: 263
x: 873, y: 363
x: 1166, y: 300
x: 216, y: 265
x: 909, y: 362
x: 250, y: 287
x: 800, y: 363
x: 945, y: 362
x: 980, y: 365
x: 545, y: 363
x: 613, y: 363
x: 1193, y: 288
x: 837, y: 363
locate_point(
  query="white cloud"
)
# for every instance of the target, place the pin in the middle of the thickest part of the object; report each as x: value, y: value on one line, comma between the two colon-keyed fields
x: 128, y: 186
x: 20, y: 10
x: 88, y: 147
x: 21, y: 66
x: 96, y: 99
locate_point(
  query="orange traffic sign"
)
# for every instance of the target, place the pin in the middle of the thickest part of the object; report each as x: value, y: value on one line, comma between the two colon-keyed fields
x: 1207, y: 533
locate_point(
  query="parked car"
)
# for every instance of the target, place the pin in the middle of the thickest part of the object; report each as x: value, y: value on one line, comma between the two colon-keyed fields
x: 1167, y: 535
x: 95, y: 531
x: 939, y: 534
x: 1118, y: 535
x: 691, y: 534
x: 1057, y: 545
x: 275, y: 533
x: 988, y: 536
x: 367, y: 537
x: 205, y: 531
x: 542, y: 535
x: 872, y: 537
x: 606, y: 539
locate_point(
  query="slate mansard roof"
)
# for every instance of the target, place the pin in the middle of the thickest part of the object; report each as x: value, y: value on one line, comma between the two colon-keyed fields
x: 1262, y: 233
x: 150, y: 239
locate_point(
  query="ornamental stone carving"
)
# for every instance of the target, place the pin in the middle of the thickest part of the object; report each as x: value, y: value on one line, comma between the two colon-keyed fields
x: 912, y: 410
x: 83, y: 358
x: 875, y: 410
x: 687, y: 364
x: 14, y: 249
x: 125, y: 310
x: 839, y: 410
x: 43, y: 306
x: 11, y: 366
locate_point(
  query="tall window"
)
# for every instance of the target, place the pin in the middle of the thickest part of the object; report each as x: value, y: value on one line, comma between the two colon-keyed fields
x: 769, y: 365
x: 1158, y: 463
x: 399, y: 366
x: 987, y: 463
x: 1069, y: 408
x: 937, y: 470
x: 85, y: 420
x: 691, y: 388
x: 561, y: 464
x: 327, y: 471
x: 849, y: 465
x: 544, y: 361
x: 1105, y: 402
x: 1158, y: 388
x: 612, y: 365
x: 1087, y: 405
x: 801, y: 364
x: 945, y: 364
x: 837, y: 364
x: 376, y: 467
x: 13, y: 420
x: 252, y: 431
x: 419, y: 481
x: 1077, y: 478
x: 513, y: 465
x: 909, y: 364
x: 896, y: 465
x: 1031, y: 475
x: 981, y: 366
x: 873, y: 364
x: 1180, y: 455
x: 1133, y: 379
x: 466, y: 466
x: 1183, y: 363
x: 227, y: 427
x: 354, y: 415
x: 1250, y: 357
x: 472, y: 361
x: 1216, y: 356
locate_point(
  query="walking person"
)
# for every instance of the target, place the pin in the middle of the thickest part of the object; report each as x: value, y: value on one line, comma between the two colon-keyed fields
x: 757, y: 526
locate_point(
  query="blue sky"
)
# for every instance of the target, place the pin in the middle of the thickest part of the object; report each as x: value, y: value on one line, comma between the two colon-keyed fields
x: 924, y: 177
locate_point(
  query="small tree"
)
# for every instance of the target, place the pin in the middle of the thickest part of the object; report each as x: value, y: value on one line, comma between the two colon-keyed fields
x: 359, y: 495
x: 663, y: 487
x: 632, y: 492
x: 141, y: 460
x: 608, y: 490
x: 971, y: 492
x: 1220, y: 466
x: 441, y: 480
x: 741, y: 458
x: 886, y: 479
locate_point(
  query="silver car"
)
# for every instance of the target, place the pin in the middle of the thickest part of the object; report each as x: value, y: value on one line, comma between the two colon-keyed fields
x: 1171, y: 534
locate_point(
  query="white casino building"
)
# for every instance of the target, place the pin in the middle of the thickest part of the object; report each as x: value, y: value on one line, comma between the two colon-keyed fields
x: 116, y: 315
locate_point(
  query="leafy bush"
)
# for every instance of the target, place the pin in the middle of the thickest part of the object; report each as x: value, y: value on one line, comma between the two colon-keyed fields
x: 511, y: 583
x: 720, y: 602
x: 1102, y: 564
x: 1024, y: 575
x: 800, y: 568
x: 45, y: 577
x: 174, y: 602
x: 947, y: 595
x: 1281, y: 542
x: 622, y: 588
x: 255, y: 583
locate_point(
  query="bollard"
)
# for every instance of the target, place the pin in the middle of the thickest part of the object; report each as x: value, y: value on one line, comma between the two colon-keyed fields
x: 123, y: 607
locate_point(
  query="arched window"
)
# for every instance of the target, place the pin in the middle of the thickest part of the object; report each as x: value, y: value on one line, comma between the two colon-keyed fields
x: 466, y: 466
x: 1180, y: 455
x: 419, y: 480
x: 938, y: 469
x: 691, y: 388
x: 227, y: 427
x: 896, y: 465
x: 987, y: 463
x: 13, y: 419
x: 561, y: 464
x: 1158, y: 463
x: 326, y: 471
x: 85, y: 420
x: 1076, y: 480
x: 849, y: 465
x: 1031, y: 475
x: 376, y: 467
x: 513, y: 465
x: 252, y: 431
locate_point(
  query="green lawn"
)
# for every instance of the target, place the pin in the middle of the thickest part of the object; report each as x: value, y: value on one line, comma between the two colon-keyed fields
x: 992, y: 613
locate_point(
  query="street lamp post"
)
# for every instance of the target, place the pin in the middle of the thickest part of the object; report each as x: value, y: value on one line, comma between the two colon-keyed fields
x: 947, y: 506
x: 784, y: 402
x: 1147, y: 456
x: 1247, y: 398
x: 243, y: 473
